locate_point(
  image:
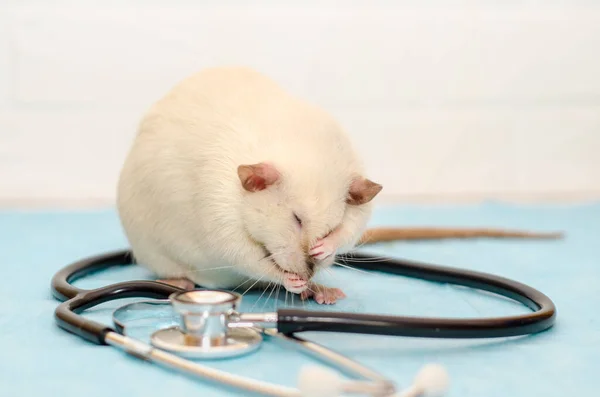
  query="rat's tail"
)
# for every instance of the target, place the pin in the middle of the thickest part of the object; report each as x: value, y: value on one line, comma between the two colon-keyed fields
x: 382, y: 234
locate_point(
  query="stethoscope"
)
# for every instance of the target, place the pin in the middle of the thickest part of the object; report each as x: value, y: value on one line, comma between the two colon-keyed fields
x: 210, y: 326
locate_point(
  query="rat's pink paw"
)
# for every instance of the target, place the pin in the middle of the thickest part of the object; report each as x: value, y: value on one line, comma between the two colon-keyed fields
x: 182, y: 283
x: 323, y: 249
x: 295, y: 283
x: 323, y: 295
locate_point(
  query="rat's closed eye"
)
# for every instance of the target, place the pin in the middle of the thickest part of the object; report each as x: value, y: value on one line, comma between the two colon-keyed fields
x: 298, y: 220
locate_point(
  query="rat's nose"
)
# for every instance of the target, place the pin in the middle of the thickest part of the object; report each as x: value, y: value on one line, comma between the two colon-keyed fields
x: 310, y: 266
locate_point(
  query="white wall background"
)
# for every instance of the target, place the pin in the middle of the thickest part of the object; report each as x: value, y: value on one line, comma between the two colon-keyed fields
x: 447, y: 99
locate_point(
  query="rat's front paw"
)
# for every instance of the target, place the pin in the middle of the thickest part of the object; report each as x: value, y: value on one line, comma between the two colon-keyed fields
x: 323, y: 249
x: 295, y: 283
x: 323, y: 295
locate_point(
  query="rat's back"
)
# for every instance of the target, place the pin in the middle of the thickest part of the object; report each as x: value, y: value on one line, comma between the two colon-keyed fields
x: 243, y: 115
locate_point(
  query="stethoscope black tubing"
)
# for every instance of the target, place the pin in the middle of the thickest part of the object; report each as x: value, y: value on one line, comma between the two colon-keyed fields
x: 76, y: 300
x: 68, y: 318
x: 292, y: 320
x: 542, y: 317
x: 62, y: 287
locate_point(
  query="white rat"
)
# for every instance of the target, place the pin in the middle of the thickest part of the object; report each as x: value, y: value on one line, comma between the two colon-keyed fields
x: 230, y: 179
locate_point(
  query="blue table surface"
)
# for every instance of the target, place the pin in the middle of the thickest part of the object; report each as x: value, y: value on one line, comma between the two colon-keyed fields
x: 41, y: 359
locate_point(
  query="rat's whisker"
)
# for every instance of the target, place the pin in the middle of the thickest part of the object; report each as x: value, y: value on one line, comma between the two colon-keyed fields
x: 249, y: 288
x: 275, y: 285
x: 355, y: 250
x: 366, y: 259
x: 362, y: 260
x: 369, y: 259
x: 212, y: 268
x: 270, y: 254
x: 312, y: 290
x: 335, y: 276
x: 318, y: 287
x: 244, y: 265
x: 268, y: 273
x: 352, y: 268
x: 277, y: 299
x: 248, y: 279
x: 261, y: 295
x: 360, y: 245
x: 273, y: 254
x: 269, y: 297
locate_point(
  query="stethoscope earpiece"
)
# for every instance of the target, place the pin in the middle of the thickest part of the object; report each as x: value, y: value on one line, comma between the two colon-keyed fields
x: 431, y: 381
x: 316, y: 381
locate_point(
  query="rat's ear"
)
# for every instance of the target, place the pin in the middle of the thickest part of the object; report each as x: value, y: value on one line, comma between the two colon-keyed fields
x: 256, y: 177
x: 362, y: 190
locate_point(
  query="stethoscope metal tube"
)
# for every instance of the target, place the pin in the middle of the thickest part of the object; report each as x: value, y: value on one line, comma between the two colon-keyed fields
x: 378, y: 387
x: 320, y: 353
x: 148, y: 352
x: 210, y: 324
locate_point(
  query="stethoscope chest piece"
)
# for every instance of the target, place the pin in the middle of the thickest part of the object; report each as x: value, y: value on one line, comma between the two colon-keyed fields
x: 204, y: 330
x: 238, y: 341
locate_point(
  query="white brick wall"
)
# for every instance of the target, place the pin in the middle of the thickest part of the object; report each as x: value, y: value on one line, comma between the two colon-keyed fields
x: 444, y: 97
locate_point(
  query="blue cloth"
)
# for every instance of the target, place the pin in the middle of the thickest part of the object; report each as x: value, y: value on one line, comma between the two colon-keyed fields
x: 40, y: 359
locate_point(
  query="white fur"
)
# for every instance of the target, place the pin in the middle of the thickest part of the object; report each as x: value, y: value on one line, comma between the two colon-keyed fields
x: 181, y: 202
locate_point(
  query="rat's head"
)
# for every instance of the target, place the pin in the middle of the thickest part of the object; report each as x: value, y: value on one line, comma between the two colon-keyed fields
x: 286, y: 215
